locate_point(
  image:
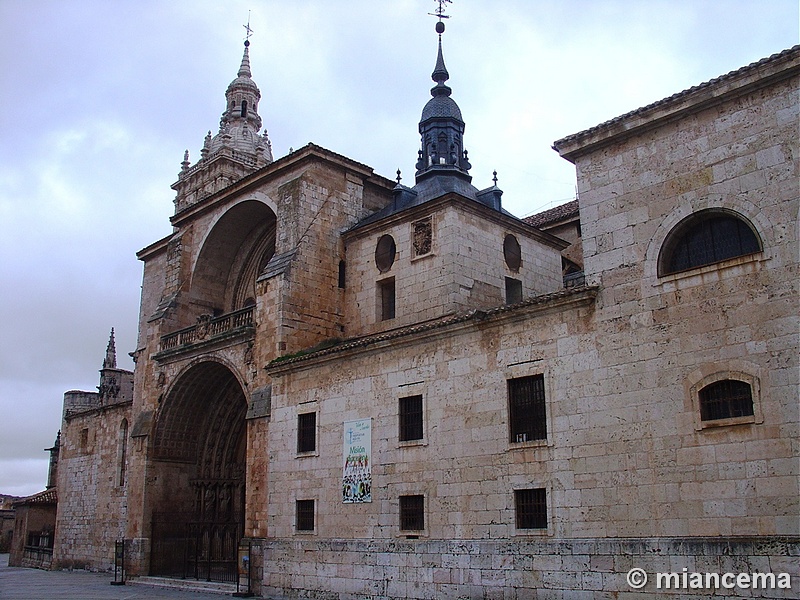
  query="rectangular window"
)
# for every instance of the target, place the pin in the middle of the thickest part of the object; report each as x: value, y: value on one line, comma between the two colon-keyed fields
x: 531, y: 506
x: 513, y: 290
x: 410, y: 418
x: 526, y: 409
x: 412, y: 513
x: 386, y: 293
x: 304, y: 518
x: 307, y: 432
x: 84, y: 441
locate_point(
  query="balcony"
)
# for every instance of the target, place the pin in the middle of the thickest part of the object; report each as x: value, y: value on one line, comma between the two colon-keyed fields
x: 208, y: 331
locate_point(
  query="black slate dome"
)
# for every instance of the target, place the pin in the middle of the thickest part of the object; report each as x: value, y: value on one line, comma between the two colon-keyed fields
x: 441, y: 107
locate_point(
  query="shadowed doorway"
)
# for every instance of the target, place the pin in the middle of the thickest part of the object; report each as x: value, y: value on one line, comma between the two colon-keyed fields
x: 198, y: 483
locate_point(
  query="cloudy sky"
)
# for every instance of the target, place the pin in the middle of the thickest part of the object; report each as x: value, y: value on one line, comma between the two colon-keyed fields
x: 100, y: 98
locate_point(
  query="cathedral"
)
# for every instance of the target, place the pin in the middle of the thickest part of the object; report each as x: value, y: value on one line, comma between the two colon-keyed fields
x: 348, y: 387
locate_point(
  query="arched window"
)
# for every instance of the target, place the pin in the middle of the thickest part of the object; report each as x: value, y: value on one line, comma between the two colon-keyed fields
x: 707, y: 237
x: 726, y: 399
x: 244, y: 109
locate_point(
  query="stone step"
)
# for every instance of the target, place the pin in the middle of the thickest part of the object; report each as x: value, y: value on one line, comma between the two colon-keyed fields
x: 189, y: 585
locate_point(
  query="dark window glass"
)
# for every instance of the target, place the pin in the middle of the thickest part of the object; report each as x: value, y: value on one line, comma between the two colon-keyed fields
x: 307, y: 432
x: 305, y: 515
x: 244, y: 109
x: 726, y: 399
x: 410, y: 418
x: 705, y: 239
x: 531, y: 508
x: 412, y: 513
x: 513, y: 290
x: 385, y: 252
x: 386, y: 291
x: 512, y: 253
x: 341, y: 274
x: 526, y: 407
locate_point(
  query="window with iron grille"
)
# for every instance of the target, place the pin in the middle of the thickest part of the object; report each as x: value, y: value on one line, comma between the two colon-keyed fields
x: 526, y: 409
x: 531, y: 507
x: 386, y: 292
x: 410, y: 418
x: 307, y: 432
x: 705, y: 238
x: 726, y: 399
x: 304, y: 515
x: 412, y: 513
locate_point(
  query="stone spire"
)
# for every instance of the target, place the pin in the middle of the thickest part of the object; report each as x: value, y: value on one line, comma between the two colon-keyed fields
x: 239, y: 143
x: 110, y: 361
x: 240, y: 123
x: 442, y: 128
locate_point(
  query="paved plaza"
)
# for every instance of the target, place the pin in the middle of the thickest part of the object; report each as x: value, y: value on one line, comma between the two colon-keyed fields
x: 34, y: 584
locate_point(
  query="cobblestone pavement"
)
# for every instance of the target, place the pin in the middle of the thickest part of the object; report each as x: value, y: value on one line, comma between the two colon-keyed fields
x: 34, y: 584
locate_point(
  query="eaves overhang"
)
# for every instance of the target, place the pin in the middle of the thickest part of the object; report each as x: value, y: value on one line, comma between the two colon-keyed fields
x: 562, y: 300
x: 462, y: 203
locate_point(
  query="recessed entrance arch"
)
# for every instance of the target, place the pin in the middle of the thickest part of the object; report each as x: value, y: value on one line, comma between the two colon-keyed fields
x: 198, y: 466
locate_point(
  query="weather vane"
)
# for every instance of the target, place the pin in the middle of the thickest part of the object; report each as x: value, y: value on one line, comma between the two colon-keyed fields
x: 248, y: 29
x: 439, y: 13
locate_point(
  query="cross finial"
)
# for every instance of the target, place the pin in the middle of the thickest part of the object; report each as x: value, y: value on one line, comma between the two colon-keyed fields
x: 494, y: 178
x: 439, y: 14
x: 248, y: 29
x: 398, y: 177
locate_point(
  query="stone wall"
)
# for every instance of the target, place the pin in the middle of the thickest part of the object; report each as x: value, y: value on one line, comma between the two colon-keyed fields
x: 463, y: 269
x: 92, y: 503
x: 577, y: 569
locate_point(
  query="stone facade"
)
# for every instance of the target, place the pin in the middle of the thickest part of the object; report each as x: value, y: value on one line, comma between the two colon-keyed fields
x: 305, y: 294
x: 92, y: 478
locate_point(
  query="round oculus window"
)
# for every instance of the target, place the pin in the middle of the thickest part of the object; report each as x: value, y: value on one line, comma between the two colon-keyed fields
x: 512, y: 252
x: 385, y: 252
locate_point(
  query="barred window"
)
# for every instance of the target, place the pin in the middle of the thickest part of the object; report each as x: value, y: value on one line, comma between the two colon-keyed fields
x: 410, y: 418
x: 304, y: 515
x: 705, y: 238
x: 307, y: 432
x: 526, y: 408
x: 726, y: 399
x: 412, y: 513
x: 531, y: 508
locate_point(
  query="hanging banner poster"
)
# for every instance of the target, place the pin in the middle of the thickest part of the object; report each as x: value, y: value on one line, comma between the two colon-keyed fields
x: 357, y: 473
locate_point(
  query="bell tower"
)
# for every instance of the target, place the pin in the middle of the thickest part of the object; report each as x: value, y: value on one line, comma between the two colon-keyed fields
x: 236, y: 150
x: 442, y: 127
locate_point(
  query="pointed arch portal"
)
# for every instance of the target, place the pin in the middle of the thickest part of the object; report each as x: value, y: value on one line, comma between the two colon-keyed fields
x: 199, y: 457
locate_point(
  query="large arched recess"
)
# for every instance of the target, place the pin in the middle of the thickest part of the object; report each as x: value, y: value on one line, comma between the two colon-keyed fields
x: 197, y: 474
x: 234, y: 253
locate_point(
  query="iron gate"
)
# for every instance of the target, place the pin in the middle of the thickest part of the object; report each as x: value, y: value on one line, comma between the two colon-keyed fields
x: 203, y: 550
